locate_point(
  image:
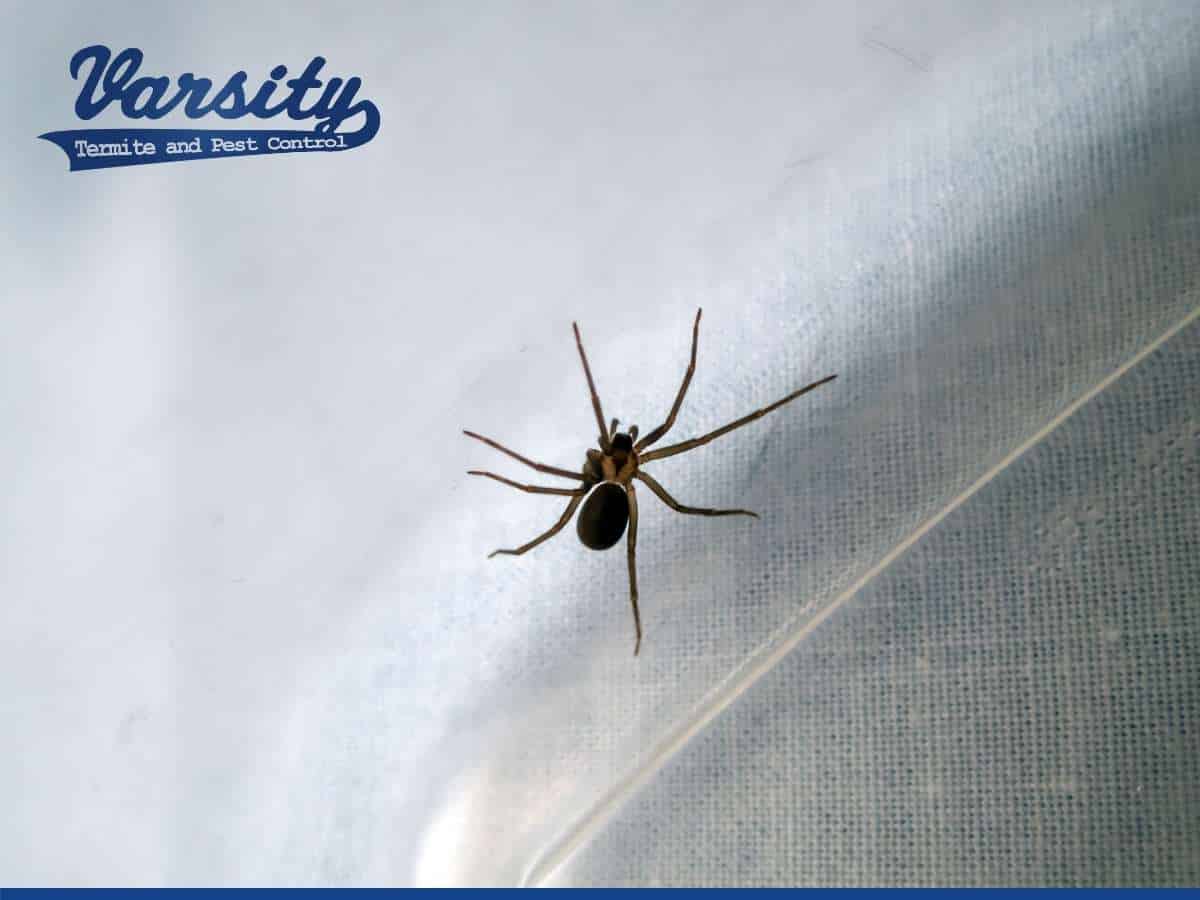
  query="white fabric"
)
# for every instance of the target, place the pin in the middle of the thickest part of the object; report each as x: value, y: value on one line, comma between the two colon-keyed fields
x: 249, y: 634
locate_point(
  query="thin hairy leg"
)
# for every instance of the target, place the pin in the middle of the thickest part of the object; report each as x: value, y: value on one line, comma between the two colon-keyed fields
x: 684, y: 446
x: 530, y: 488
x: 545, y: 536
x: 687, y: 380
x: 666, y: 498
x: 605, y: 443
x: 631, y: 555
x: 541, y: 467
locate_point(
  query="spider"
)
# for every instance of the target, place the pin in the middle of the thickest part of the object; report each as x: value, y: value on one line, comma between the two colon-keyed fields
x: 609, y: 473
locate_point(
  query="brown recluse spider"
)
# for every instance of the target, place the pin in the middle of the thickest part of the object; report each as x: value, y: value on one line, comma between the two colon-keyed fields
x: 611, y: 470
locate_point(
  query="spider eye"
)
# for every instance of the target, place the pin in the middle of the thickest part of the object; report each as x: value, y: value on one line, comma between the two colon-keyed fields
x: 622, y: 442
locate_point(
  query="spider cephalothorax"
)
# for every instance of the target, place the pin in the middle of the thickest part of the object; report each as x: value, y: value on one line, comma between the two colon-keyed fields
x: 608, y: 474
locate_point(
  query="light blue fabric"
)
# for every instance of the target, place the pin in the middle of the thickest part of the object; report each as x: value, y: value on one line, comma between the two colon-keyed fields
x: 1010, y: 704
x: 249, y: 634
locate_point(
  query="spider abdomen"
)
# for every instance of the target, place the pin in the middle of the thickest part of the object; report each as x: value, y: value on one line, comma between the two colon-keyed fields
x: 604, y: 516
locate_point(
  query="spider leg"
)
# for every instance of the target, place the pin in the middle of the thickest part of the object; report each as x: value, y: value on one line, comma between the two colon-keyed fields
x: 545, y: 536
x: 530, y: 488
x: 541, y: 467
x: 684, y: 446
x: 687, y: 380
x: 632, y: 557
x: 612, y: 431
x: 605, y: 443
x: 688, y: 510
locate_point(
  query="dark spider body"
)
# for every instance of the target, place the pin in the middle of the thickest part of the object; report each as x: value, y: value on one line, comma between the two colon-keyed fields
x: 605, y: 514
x: 602, y: 520
x: 608, y: 474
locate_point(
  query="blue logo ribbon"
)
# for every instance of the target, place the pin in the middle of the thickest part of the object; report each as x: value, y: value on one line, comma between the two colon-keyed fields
x: 102, y: 148
x: 111, y: 81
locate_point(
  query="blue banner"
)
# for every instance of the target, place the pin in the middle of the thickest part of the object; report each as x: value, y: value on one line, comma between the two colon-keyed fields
x: 103, y: 148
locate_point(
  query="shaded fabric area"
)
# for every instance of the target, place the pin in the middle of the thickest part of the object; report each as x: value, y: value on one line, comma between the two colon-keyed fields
x: 1014, y: 703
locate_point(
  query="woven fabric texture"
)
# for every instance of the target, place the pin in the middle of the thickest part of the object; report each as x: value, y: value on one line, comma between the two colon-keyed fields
x: 249, y: 631
x: 1014, y: 703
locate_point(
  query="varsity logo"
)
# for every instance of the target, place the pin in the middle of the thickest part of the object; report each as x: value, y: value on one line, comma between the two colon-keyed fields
x: 109, y: 81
